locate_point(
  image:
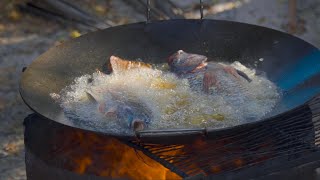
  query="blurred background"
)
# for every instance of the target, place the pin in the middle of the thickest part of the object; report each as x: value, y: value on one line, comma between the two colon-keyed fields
x: 30, y: 27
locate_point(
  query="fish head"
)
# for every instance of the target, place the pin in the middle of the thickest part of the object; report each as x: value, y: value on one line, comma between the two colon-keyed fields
x: 133, y: 116
x: 128, y: 114
x: 183, y: 63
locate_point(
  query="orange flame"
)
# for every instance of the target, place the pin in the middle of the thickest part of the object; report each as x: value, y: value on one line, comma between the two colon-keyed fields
x: 89, y: 153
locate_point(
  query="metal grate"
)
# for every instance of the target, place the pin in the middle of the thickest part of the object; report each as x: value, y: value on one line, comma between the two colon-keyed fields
x: 287, y: 137
x: 247, y: 151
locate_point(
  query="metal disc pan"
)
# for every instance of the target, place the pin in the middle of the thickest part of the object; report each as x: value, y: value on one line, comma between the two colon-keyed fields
x: 291, y: 63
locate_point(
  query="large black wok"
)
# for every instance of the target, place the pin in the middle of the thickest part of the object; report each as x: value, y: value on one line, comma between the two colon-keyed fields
x: 291, y: 63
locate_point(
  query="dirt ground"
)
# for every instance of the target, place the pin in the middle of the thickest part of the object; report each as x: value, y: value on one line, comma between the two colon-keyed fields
x: 24, y: 37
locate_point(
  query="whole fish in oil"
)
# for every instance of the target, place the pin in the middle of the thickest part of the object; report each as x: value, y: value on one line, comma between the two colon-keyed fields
x: 202, y: 74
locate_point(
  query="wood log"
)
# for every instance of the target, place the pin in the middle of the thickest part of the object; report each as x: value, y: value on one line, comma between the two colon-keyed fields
x: 43, y: 13
x: 70, y: 12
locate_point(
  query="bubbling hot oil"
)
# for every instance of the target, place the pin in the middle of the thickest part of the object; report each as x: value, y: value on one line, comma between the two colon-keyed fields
x: 170, y: 100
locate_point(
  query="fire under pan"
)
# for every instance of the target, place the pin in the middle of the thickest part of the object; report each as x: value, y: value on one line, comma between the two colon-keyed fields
x: 287, y: 146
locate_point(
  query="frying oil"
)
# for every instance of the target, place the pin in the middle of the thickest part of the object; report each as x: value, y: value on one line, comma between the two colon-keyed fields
x: 170, y: 101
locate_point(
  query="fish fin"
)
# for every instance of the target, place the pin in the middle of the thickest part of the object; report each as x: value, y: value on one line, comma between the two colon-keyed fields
x: 102, y: 107
x: 236, y: 73
x: 209, y: 80
x: 120, y: 65
x: 244, y: 75
x: 232, y: 71
x: 91, y: 97
x: 117, y: 64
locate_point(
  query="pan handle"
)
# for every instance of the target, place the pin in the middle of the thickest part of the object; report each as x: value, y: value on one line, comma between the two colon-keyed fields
x: 148, y: 10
